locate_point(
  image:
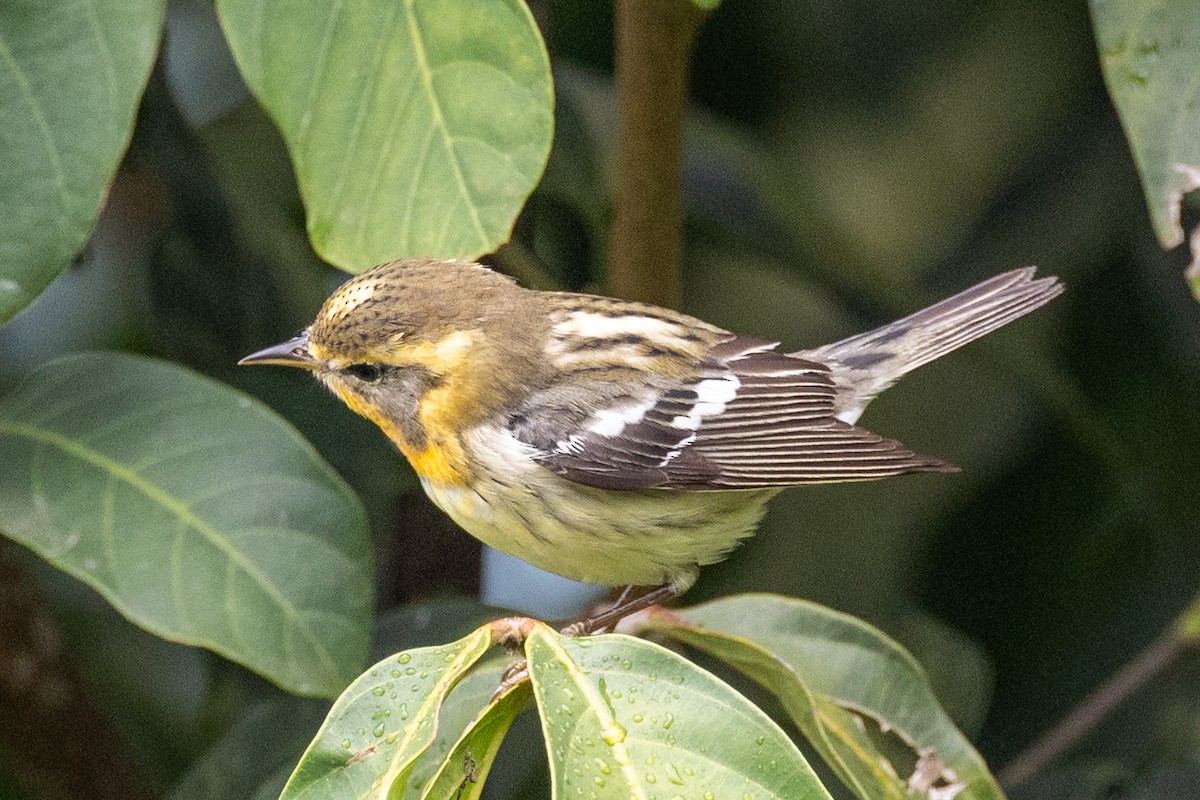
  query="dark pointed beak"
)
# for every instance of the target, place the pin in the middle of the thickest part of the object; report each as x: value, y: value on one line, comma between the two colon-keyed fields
x: 292, y: 353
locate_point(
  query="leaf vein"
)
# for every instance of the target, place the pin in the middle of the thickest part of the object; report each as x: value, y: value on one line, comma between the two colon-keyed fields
x: 439, y: 120
x: 39, y: 118
x: 156, y: 494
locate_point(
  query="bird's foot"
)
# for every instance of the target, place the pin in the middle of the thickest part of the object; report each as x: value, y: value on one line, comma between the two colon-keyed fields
x: 621, y: 609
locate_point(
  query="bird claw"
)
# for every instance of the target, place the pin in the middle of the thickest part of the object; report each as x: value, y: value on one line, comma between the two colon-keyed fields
x: 516, y: 673
x: 623, y: 608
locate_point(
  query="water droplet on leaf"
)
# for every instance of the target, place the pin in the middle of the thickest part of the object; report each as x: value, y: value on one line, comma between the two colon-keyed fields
x: 614, y: 734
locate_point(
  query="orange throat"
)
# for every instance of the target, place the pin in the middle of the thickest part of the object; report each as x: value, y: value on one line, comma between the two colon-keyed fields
x: 432, y: 464
x: 441, y: 465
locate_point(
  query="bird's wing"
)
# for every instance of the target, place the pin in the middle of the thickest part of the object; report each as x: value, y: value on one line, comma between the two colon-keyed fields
x: 748, y: 418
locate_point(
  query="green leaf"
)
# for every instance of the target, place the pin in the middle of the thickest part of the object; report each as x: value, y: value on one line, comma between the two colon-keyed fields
x: 1149, y: 50
x: 71, y: 76
x: 464, y: 770
x: 462, y: 706
x: 257, y: 753
x: 626, y: 718
x: 416, y: 128
x: 831, y: 671
x: 194, y: 510
x: 382, y: 723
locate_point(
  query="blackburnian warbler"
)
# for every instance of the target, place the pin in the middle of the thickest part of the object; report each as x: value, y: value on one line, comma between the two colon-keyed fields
x: 610, y: 441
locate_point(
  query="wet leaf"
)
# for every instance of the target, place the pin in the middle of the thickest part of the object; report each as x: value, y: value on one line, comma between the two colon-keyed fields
x: 465, y: 768
x: 844, y: 683
x: 627, y: 718
x: 382, y: 723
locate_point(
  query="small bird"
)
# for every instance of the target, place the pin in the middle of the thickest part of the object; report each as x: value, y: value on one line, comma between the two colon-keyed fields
x: 610, y: 441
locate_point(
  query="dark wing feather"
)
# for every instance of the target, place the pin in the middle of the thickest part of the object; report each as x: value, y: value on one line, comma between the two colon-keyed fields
x: 750, y: 418
x: 780, y: 430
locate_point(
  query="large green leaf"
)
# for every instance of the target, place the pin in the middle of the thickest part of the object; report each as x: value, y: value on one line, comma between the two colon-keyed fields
x: 1149, y: 50
x: 626, y: 718
x: 257, y: 753
x: 71, y: 75
x: 383, y: 723
x: 417, y: 128
x: 833, y: 672
x: 194, y: 510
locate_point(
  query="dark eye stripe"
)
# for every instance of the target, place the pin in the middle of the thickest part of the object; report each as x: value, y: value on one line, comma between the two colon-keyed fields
x: 367, y: 373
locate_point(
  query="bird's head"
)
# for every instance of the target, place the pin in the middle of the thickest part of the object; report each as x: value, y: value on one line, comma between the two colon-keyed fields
x: 414, y: 345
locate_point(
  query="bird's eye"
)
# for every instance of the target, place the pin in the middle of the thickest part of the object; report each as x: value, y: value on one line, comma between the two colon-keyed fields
x: 367, y: 373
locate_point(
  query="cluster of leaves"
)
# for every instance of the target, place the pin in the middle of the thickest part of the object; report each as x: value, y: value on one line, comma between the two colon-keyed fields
x: 624, y: 717
x: 418, y: 128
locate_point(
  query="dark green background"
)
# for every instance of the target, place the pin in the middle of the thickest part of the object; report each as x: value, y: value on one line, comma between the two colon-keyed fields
x: 847, y: 163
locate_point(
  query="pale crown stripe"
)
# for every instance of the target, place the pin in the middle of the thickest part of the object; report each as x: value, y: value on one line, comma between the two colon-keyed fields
x: 350, y: 298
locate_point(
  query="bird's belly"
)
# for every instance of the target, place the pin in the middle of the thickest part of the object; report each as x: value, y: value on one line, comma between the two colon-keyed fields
x: 601, y: 536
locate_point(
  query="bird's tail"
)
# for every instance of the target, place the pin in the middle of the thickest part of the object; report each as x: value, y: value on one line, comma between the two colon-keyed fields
x: 877, y: 359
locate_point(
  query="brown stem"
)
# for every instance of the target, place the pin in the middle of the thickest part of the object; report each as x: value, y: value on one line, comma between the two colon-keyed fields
x: 54, y: 742
x: 653, y: 50
x: 1157, y: 656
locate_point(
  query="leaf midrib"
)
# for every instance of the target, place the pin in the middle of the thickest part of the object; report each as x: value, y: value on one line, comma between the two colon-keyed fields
x: 180, y: 510
x: 594, y: 701
x: 439, y: 120
x: 39, y: 117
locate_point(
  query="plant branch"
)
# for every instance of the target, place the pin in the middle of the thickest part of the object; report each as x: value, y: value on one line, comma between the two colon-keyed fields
x: 653, y: 51
x: 1158, y: 655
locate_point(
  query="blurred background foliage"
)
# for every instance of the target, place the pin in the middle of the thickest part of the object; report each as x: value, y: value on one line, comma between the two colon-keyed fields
x: 846, y: 163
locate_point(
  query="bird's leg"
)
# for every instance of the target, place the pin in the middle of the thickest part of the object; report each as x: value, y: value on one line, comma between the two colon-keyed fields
x: 623, y: 608
x: 628, y: 590
x: 518, y: 671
